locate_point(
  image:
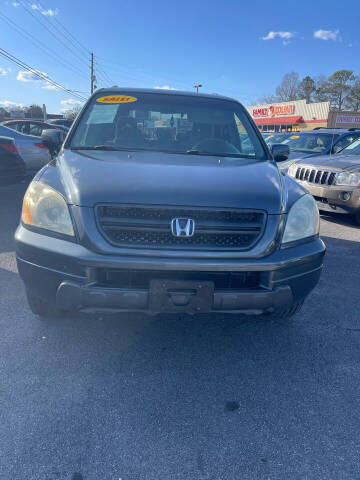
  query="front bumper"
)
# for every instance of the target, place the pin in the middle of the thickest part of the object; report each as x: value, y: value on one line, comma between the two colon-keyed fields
x: 70, y: 276
x: 331, y: 198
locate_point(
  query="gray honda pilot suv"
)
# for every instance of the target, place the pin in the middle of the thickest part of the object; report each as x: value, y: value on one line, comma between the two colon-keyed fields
x: 164, y: 201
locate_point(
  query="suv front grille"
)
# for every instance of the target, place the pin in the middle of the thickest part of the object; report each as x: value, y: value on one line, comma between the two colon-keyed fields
x: 150, y: 227
x: 312, y: 175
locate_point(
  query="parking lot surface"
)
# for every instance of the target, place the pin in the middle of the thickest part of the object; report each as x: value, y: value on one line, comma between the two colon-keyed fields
x: 133, y: 397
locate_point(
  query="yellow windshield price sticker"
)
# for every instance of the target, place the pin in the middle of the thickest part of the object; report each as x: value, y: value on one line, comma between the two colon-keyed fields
x: 293, y: 137
x: 116, y: 99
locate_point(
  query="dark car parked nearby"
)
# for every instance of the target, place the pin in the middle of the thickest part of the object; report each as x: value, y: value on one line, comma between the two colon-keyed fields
x: 12, y: 166
x: 333, y: 181
x: 33, y: 127
x: 153, y: 204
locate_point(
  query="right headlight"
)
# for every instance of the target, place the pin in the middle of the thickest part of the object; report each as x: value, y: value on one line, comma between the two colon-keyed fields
x: 292, y: 169
x: 44, y: 207
x: 302, y: 220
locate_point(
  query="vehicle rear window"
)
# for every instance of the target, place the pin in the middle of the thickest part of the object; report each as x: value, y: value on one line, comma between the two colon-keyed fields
x: 168, y: 123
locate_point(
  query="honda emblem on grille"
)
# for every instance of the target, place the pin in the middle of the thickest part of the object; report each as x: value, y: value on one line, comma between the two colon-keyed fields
x: 182, y: 227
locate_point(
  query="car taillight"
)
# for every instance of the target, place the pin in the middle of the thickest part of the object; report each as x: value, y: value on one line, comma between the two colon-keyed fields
x: 10, y: 147
x: 40, y: 145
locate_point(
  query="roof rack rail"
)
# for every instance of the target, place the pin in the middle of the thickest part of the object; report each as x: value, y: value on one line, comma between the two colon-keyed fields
x: 353, y: 129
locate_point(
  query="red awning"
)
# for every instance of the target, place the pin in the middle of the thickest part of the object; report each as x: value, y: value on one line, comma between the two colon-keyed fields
x: 279, y: 120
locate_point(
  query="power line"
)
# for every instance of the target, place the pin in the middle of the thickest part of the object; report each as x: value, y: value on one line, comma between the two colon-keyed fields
x: 71, y: 39
x: 52, y: 32
x: 39, y: 74
x: 51, y: 53
x: 66, y: 30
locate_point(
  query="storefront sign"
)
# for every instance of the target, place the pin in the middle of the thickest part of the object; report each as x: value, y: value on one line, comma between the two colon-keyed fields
x: 273, y: 111
x: 348, y: 119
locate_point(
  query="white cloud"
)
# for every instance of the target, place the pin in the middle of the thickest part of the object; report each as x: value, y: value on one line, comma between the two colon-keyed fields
x: 327, y: 34
x: 69, y: 104
x: 50, y: 86
x: 9, y: 104
x: 350, y: 45
x: 16, y: 4
x: 165, y: 87
x: 48, y: 13
x: 4, y: 71
x: 285, y: 35
x: 29, y: 76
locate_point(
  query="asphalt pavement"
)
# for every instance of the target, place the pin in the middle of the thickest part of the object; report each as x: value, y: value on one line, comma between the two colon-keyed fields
x: 215, y: 397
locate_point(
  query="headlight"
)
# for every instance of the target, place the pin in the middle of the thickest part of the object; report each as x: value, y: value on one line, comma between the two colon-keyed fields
x: 44, y: 207
x: 292, y: 169
x: 349, y: 179
x: 283, y: 166
x: 302, y: 220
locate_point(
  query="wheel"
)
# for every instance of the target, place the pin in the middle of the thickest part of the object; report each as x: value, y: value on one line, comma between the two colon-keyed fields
x: 41, y: 307
x: 357, y: 217
x: 288, y: 312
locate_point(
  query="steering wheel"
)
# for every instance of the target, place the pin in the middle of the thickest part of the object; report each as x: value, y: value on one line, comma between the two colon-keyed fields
x: 215, y: 146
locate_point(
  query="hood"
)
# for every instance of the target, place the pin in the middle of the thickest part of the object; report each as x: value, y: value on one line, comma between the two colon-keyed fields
x: 334, y: 162
x: 294, y: 155
x: 90, y: 177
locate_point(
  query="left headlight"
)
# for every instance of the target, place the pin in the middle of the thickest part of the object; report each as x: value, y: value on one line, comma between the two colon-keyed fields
x: 44, y: 207
x: 349, y: 179
x: 302, y: 220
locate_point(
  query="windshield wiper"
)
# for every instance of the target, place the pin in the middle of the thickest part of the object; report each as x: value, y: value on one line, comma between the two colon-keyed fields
x: 198, y: 152
x: 96, y: 147
x: 204, y: 152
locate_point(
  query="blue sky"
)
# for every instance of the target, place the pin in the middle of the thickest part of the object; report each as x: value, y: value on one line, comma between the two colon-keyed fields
x: 236, y: 48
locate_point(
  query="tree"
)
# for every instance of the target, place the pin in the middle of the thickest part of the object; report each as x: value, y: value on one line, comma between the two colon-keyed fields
x: 267, y: 98
x: 338, y: 87
x: 72, y: 112
x: 34, y: 111
x: 307, y: 88
x: 354, y: 96
x: 320, y: 94
x: 288, y: 89
x: 3, y: 114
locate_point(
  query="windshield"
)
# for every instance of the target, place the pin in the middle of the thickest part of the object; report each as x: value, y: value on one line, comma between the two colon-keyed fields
x: 352, y: 149
x: 168, y: 123
x: 311, y: 142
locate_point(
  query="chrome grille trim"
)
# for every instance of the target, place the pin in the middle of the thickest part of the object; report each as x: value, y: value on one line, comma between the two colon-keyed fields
x: 314, y: 175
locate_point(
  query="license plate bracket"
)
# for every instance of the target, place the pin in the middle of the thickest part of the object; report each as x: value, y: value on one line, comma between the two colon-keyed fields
x: 181, y: 296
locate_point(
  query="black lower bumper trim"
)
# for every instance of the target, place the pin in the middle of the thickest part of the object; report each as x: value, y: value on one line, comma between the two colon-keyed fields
x: 72, y: 296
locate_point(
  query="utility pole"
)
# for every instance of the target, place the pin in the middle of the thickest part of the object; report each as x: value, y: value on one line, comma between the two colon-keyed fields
x: 92, y: 75
x: 197, y: 86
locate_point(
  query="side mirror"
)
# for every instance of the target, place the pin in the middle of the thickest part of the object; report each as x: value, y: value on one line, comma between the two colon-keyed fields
x: 52, y: 139
x: 280, y: 152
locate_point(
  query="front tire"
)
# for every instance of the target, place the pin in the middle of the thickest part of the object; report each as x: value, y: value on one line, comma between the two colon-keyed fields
x: 288, y: 312
x: 40, y: 307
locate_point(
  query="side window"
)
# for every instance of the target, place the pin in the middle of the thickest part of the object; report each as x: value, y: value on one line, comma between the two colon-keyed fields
x: 35, y: 130
x: 246, y: 144
x: 344, y: 142
x: 22, y: 127
x: 15, y: 126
